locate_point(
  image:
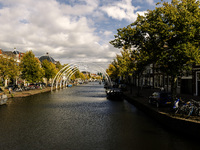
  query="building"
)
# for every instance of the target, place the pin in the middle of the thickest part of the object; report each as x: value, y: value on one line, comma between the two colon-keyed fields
x: 188, y: 83
x: 16, y: 55
x: 47, y: 57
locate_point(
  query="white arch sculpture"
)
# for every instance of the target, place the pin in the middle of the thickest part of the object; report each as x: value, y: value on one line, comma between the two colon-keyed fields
x: 71, y: 69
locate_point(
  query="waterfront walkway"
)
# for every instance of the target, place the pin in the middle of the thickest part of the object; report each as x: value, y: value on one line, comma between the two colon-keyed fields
x: 27, y: 93
x: 146, y: 92
x: 165, y: 115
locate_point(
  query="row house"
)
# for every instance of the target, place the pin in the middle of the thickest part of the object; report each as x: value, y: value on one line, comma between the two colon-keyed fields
x: 188, y: 83
x: 16, y: 55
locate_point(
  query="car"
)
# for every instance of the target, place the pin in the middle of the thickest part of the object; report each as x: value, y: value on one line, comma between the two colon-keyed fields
x: 160, y: 99
x: 10, y: 86
x: 49, y: 85
x: 31, y: 86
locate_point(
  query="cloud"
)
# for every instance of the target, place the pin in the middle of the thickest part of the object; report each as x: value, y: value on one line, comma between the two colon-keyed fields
x: 151, y: 2
x: 107, y: 33
x: 68, y: 30
x: 121, y: 10
x: 44, y: 28
x: 84, y: 7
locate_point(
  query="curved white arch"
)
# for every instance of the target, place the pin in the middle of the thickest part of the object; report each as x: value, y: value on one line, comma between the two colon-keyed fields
x: 57, y: 75
x: 69, y: 70
x: 70, y: 75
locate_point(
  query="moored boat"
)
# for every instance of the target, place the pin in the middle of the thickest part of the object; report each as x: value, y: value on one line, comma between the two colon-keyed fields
x: 114, y: 94
x: 69, y: 85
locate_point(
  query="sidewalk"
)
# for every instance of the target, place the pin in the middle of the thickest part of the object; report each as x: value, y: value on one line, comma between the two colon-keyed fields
x: 164, y: 115
x: 146, y: 92
x: 28, y: 93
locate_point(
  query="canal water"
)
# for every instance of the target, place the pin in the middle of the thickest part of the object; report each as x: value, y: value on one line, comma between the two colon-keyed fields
x: 81, y: 118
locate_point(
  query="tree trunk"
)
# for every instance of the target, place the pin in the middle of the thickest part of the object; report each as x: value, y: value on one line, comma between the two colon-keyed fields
x: 153, y: 74
x: 138, y: 87
x: 173, y: 86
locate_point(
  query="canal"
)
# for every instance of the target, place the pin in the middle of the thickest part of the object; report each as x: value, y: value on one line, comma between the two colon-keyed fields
x: 81, y: 118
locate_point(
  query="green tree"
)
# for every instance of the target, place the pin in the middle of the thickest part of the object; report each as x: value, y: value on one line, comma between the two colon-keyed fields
x: 167, y: 36
x: 49, y: 69
x: 174, y: 28
x: 113, y: 70
x: 31, y: 68
x: 79, y: 74
x: 59, y: 66
x: 9, y: 69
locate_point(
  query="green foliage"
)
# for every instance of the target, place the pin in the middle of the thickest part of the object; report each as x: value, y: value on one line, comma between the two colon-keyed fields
x: 112, y: 71
x: 8, y: 68
x: 58, y: 66
x: 123, y: 65
x: 176, y: 25
x: 168, y: 36
x: 49, y: 69
x: 31, y: 68
x: 79, y: 74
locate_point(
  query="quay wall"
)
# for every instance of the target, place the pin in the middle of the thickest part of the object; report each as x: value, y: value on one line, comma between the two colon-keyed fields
x: 182, y: 126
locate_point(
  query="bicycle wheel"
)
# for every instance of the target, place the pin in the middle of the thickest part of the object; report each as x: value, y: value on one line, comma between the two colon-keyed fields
x: 190, y: 112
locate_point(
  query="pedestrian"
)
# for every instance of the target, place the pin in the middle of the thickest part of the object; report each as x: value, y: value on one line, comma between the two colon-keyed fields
x: 10, y: 90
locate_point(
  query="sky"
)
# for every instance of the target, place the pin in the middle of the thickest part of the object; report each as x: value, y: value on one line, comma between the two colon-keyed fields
x: 69, y: 30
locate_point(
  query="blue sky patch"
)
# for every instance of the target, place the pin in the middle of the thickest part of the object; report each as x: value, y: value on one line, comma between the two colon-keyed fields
x: 24, y: 21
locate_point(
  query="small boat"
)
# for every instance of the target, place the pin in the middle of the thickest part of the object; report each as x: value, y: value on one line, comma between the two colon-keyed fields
x: 114, y: 94
x: 3, y: 99
x: 69, y: 85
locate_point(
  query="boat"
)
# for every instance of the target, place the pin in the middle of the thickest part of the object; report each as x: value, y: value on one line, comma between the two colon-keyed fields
x: 3, y: 99
x: 114, y: 94
x: 69, y: 85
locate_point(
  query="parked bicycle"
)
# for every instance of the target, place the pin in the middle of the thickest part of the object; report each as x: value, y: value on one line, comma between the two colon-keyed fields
x: 186, y: 109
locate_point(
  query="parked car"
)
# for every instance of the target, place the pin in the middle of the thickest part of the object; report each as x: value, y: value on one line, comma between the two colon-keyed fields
x: 49, y: 85
x: 31, y: 86
x: 160, y: 99
x: 10, y: 86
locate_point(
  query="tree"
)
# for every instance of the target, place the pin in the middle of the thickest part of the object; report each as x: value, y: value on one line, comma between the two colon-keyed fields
x: 174, y: 28
x: 168, y: 36
x: 58, y: 65
x: 113, y: 70
x: 49, y: 69
x: 31, y: 68
x: 9, y: 69
x: 79, y: 74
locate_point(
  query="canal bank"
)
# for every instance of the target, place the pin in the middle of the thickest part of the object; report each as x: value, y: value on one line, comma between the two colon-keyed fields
x: 28, y: 92
x: 163, y: 115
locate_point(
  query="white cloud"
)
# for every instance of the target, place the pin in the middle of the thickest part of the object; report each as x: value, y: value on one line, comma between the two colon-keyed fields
x: 151, y: 2
x: 44, y: 28
x: 75, y: 30
x: 108, y: 33
x: 122, y: 10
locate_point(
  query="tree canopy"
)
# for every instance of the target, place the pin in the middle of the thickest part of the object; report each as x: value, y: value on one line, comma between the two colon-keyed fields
x: 31, y: 68
x: 8, y: 68
x: 168, y: 36
x: 49, y: 69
